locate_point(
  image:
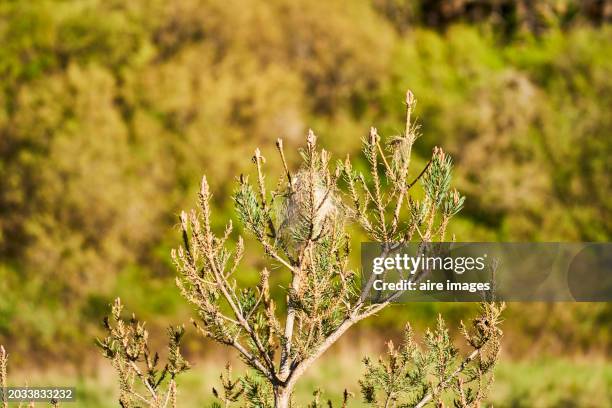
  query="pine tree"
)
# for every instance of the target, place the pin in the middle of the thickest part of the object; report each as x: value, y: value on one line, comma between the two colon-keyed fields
x: 302, y: 226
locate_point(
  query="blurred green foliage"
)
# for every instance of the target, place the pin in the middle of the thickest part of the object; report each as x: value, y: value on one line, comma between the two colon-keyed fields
x: 110, y: 111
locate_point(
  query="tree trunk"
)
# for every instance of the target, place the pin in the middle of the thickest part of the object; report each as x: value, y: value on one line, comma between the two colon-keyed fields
x: 281, y: 397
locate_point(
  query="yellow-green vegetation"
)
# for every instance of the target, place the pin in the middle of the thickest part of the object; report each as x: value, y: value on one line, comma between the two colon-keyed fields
x: 111, y: 110
x: 536, y: 383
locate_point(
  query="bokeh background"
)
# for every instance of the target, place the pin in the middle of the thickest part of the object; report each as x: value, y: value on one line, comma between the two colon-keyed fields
x: 111, y: 111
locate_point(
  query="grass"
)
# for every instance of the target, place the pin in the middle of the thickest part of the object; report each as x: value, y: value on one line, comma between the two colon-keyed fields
x: 553, y: 383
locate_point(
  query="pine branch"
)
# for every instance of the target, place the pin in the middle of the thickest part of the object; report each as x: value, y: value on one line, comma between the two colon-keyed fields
x: 417, y: 377
x: 126, y: 346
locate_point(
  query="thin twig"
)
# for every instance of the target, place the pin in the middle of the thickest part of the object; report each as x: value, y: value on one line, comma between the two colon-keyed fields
x: 279, y: 146
x: 382, y: 154
x: 144, y: 380
x: 409, y: 186
x: 409, y: 138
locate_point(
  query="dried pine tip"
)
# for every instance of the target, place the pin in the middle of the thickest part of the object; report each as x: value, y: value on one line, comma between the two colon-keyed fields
x: 324, y: 155
x: 373, y: 135
x: 311, y: 138
x: 439, y: 153
x: 184, y: 219
x: 455, y: 196
x: 258, y: 156
x: 204, y: 187
x: 409, y: 98
x: 347, y: 162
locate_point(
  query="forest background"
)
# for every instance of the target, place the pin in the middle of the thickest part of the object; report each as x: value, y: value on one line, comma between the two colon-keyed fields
x: 111, y: 111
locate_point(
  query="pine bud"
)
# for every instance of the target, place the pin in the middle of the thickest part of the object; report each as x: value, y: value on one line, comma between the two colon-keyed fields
x: 324, y: 155
x: 347, y: 163
x: 373, y: 135
x: 204, y: 189
x: 258, y: 157
x: 311, y: 139
x: 409, y: 98
x: 184, y: 220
